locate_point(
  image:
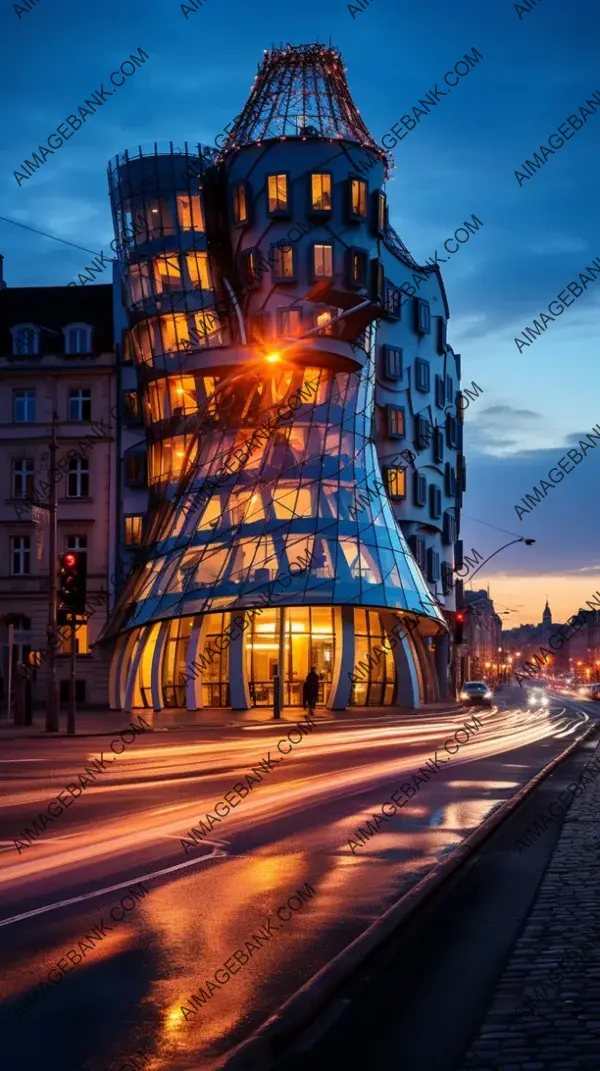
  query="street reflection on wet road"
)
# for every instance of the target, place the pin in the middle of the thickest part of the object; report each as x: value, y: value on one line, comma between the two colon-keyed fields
x: 291, y: 829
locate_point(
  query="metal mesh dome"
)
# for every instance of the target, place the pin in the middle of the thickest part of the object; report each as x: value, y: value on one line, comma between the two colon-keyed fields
x: 301, y: 91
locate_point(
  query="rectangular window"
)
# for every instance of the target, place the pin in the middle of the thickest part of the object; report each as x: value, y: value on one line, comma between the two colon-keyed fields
x: 133, y: 529
x: 396, y: 425
x: 393, y: 301
x: 20, y: 555
x: 461, y: 471
x: 423, y: 317
x: 392, y: 362
x: 130, y: 406
x: 358, y: 198
x: 139, y: 282
x: 449, y: 480
x: 277, y: 186
x: 240, y: 204
x: 78, y: 482
x: 440, y: 392
x: 23, y: 406
x: 198, y: 270
x: 167, y: 274
x: 449, y: 529
x: 447, y: 578
x: 282, y: 259
x: 395, y: 482
x: 438, y: 445
x: 422, y: 374
x: 324, y: 321
x: 323, y: 261
x: 22, y: 477
x: 189, y: 213
x: 433, y: 566
x: 135, y: 470
x: 423, y: 432
x: 419, y: 489
x: 182, y: 395
x: 435, y: 501
x: 450, y: 390
x: 76, y: 542
x: 80, y: 405
x: 451, y: 437
x: 417, y: 545
x: 289, y: 322
x: 381, y: 206
x: 359, y: 263
x: 441, y: 338
x: 320, y: 192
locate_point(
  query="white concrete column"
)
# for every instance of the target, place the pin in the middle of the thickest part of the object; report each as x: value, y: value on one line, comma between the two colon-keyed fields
x: 155, y: 672
x: 139, y: 641
x: 193, y: 685
x: 239, y: 692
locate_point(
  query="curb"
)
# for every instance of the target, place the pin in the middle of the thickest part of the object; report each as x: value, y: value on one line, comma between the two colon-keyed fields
x: 263, y: 1048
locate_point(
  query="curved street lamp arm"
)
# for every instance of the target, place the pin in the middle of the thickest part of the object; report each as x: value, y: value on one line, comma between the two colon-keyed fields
x: 519, y: 540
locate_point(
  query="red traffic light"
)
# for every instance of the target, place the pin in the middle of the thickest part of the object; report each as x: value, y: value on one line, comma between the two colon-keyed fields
x: 69, y: 559
x: 460, y: 616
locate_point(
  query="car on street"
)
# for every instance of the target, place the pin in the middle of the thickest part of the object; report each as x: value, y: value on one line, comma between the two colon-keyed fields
x: 595, y: 691
x: 537, y: 698
x: 476, y: 693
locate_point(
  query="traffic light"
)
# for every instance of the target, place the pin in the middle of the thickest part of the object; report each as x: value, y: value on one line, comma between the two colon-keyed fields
x: 459, y: 622
x: 71, y: 584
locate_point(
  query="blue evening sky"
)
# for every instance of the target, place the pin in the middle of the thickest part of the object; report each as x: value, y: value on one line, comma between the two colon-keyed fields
x: 536, y: 71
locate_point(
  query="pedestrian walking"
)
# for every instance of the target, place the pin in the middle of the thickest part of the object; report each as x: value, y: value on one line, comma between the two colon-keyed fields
x: 311, y: 690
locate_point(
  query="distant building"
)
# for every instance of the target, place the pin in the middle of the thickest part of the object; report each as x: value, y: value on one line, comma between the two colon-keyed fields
x: 483, y: 636
x: 525, y: 641
x: 56, y: 355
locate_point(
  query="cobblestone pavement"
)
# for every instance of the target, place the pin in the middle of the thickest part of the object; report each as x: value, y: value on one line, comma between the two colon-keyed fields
x: 545, y: 1012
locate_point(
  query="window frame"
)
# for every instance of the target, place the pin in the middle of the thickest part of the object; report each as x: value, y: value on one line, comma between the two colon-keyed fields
x: 363, y: 254
x: 24, y: 553
x: 388, y: 363
x: 389, y: 472
x: 438, y: 445
x: 313, y: 267
x: 358, y: 217
x: 441, y: 336
x: 23, y: 468
x: 78, y: 469
x: 379, y: 203
x: 422, y: 375
x: 19, y: 394
x: 277, y: 213
x: 423, y: 316
x: 74, y: 328
x: 393, y: 308
x: 138, y: 456
x: 16, y: 330
x: 132, y: 517
x: 419, y: 489
x: 236, y: 219
x: 435, y: 501
x: 74, y: 392
x: 320, y: 212
x: 440, y: 391
x: 390, y: 410
x: 282, y: 314
x: 285, y: 249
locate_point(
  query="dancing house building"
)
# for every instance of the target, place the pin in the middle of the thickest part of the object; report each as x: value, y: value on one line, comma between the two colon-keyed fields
x: 286, y: 349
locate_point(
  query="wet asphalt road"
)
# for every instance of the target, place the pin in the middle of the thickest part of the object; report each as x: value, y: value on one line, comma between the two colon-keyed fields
x: 127, y: 992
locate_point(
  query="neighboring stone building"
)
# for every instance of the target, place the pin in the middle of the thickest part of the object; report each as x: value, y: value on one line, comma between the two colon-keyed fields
x: 56, y: 355
x: 483, y: 636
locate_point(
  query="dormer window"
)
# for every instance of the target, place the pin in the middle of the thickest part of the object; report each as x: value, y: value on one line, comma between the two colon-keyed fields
x: 25, y: 340
x: 78, y: 338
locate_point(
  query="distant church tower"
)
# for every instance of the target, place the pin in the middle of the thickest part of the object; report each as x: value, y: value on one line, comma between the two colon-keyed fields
x: 547, y: 615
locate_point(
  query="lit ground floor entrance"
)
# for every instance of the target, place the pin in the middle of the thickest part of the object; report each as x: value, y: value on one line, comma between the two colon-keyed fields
x: 229, y: 660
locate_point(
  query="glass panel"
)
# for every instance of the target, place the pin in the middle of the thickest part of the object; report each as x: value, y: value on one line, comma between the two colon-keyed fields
x: 167, y: 274
x: 189, y: 213
x: 262, y: 653
x: 321, y: 193
x: 197, y: 265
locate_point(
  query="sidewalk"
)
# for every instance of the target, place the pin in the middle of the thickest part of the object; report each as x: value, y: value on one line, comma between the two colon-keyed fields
x: 545, y: 1011
x: 109, y: 722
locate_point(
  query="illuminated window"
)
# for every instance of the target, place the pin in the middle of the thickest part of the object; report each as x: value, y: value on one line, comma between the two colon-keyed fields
x: 182, y: 395
x: 139, y: 282
x: 358, y: 267
x: 395, y: 482
x: 321, y: 192
x: 174, y: 330
x: 155, y: 400
x: 395, y: 416
x: 282, y: 260
x: 277, y: 193
x: 289, y: 322
x: 374, y: 673
x: 142, y: 339
x: 358, y: 198
x: 130, y: 406
x: 240, y: 206
x: 381, y: 211
x: 198, y: 268
x: 324, y: 322
x: 167, y: 274
x: 81, y: 639
x: 215, y: 675
x: 133, y: 529
x: 189, y: 213
x: 204, y: 331
x: 323, y: 261
x: 174, y: 661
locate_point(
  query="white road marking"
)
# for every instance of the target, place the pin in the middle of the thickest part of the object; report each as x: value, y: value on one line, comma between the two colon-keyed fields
x: 217, y: 853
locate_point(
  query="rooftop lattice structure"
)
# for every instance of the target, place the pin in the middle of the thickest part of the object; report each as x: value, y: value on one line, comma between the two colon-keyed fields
x: 301, y: 92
